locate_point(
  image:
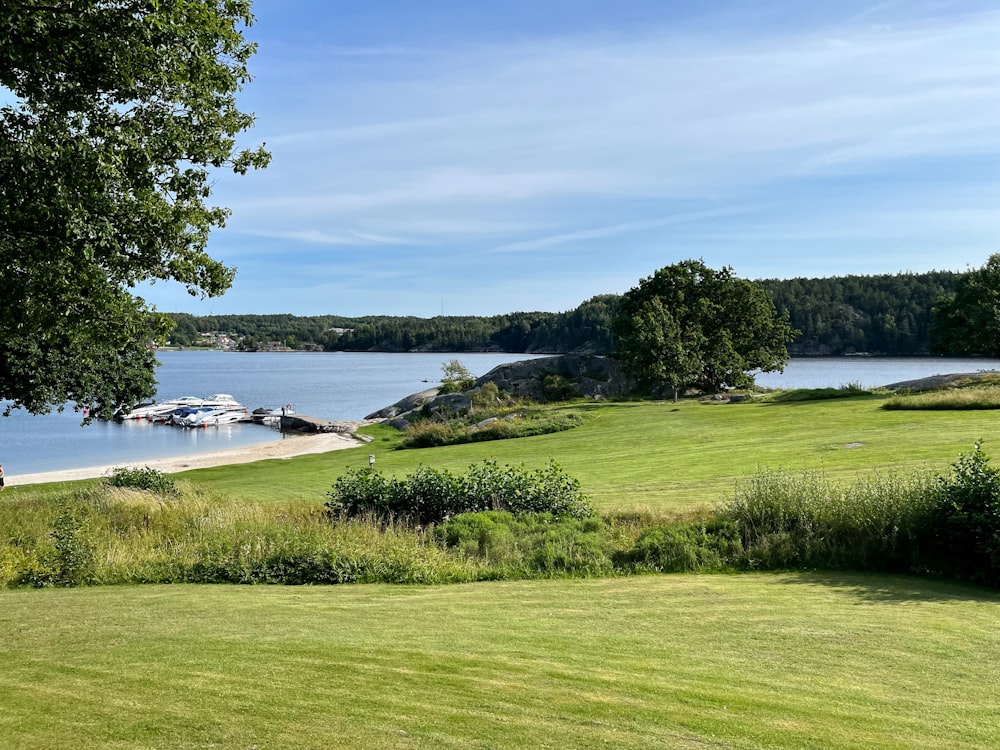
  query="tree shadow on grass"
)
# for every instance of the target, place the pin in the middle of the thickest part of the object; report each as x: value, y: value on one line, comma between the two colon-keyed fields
x: 800, y: 396
x: 872, y: 588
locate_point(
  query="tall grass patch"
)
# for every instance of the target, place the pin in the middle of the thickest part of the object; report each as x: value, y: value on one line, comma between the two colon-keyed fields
x: 794, y: 395
x: 957, y: 399
x: 502, y: 522
x: 429, y: 433
x: 111, y: 536
x: 879, y: 522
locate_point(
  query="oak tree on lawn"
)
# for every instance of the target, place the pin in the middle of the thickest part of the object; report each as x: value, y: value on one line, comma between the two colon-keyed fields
x: 690, y: 325
x: 115, y: 114
x: 967, y: 323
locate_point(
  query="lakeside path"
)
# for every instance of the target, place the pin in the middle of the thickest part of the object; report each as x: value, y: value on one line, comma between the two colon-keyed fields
x: 288, y: 446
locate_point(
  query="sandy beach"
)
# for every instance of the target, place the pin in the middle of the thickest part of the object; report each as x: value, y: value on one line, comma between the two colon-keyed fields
x: 287, y: 447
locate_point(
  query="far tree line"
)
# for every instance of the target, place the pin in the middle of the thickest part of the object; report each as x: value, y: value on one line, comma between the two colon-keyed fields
x: 891, y: 314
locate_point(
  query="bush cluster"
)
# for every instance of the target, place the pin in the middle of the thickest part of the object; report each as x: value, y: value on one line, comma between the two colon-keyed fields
x: 144, y: 478
x: 431, y: 495
x: 966, y: 522
x: 685, y: 546
x: 530, y: 545
x: 431, y: 434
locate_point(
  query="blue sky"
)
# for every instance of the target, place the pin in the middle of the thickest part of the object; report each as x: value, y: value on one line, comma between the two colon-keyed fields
x: 476, y: 158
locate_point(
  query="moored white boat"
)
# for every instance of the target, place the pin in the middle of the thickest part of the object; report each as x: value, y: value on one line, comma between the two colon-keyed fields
x: 215, y: 417
x: 148, y: 411
x: 187, y: 417
x: 192, y: 411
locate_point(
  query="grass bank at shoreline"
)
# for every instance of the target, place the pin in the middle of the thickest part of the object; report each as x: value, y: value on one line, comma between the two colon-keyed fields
x: 658, y: 456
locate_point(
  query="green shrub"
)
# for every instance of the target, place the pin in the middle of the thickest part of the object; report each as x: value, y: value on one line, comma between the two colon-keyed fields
x: 428, y: 495
x: 359, y: 491
x: 557, y: 388
x: 69, y: 557
x: 488, y: 486
x: 967, y: 522
x: 145, y: 478
x: 456, y: 377
x: 429, y: 434
x: 489, y: 398
x: 530, y: 544
x: 683, y: 547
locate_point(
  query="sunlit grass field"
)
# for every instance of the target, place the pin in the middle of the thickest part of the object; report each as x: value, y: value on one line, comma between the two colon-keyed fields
x: 660, y: 456
x: 749, y: 661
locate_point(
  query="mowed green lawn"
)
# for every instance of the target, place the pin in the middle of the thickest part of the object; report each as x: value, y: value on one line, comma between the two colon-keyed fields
x: 748, y: 661
x: 661, y: 456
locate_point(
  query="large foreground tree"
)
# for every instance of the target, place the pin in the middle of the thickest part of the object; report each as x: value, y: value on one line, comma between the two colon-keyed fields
x: 967, y: 323
x: 690, y: 325
x: 116, y: 113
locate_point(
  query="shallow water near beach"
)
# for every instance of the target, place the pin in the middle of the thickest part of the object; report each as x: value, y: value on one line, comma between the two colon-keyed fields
x: 338, y: 386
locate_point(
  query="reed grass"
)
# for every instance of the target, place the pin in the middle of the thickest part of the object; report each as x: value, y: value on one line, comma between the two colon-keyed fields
x: 958, y: 399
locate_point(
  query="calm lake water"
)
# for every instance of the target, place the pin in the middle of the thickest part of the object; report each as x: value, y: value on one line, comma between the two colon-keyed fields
x: 335, y: 386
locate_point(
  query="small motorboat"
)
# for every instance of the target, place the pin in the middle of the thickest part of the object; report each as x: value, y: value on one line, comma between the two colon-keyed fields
x: 216, y: 417
x: 149, y: 410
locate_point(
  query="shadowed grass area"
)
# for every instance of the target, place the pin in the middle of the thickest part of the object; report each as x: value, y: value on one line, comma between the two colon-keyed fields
x: 750, y: 661
x: 656, y: 455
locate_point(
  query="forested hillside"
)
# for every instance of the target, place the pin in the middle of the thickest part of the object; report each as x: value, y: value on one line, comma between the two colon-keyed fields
x: 887, y: 314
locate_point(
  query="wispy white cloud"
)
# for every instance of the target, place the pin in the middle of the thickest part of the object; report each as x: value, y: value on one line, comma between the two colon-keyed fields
x: 316, y: 237
x: 615, y: 230
x: 637, y: 139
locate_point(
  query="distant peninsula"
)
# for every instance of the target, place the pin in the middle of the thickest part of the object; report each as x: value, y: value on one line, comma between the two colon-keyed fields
x: 886, y: 314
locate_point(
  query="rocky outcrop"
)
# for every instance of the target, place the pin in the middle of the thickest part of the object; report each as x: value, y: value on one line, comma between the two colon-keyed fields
x: 939, y: 381
x: 574, y: 375
x: 404, y: 405
x: 304, y: 423
x: 586, y: 375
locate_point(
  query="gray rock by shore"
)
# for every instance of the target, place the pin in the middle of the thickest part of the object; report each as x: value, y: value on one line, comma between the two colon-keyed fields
x: 937, y: 381
x: 578, y: 374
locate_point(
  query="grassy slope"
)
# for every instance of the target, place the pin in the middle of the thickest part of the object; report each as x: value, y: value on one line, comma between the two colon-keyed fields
x: 661, y: 456
x: 671, y: 661
x: 749, y: 661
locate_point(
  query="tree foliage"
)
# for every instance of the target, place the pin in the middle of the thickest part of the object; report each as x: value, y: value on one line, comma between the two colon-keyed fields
x: 455, y: 377
x: 690, y: 325
x: 879, y: 314
x: 968, y: 321
x: 117, y: 113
